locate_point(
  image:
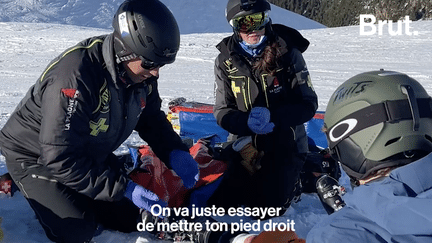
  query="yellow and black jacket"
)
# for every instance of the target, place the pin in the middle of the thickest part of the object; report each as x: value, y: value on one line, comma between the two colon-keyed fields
x: 288, y: 94
x: 78, y: 113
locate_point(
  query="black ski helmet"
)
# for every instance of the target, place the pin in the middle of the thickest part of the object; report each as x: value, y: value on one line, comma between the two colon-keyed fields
x: 237, y: 8
x: 147, y: 29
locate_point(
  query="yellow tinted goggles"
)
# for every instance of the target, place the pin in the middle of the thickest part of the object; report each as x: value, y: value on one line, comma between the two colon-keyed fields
x: 249, y: 23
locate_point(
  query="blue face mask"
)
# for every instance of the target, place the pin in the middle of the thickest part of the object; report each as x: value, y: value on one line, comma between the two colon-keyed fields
x: 254, y: 49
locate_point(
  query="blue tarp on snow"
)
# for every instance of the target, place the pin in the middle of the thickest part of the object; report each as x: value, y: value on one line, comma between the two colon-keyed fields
x: 197, y: 125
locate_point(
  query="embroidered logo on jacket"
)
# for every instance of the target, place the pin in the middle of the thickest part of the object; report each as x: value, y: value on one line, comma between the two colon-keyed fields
x: 72, y: 95
x: 104, y: 99
x: 236, y: 89
x: 230, y: 68
x: 97, y: 127
x: 276, y: 82
x: 276, y: 88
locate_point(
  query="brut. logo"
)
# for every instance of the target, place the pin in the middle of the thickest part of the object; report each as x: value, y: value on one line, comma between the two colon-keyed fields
x: 402, y: 26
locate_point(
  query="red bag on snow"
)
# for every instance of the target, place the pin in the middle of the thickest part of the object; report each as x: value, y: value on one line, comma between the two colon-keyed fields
x: 165, y: 182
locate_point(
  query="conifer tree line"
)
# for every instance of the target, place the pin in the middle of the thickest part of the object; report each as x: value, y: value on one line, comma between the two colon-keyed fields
x: 334, y: 13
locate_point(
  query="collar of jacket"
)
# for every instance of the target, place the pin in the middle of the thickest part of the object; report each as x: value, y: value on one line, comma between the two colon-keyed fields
x: 415, y: 175
x: 108, y: 55
x: 291, y: 36
x: 286, y: 36
x: 111, y: 64
x: 230, y: 49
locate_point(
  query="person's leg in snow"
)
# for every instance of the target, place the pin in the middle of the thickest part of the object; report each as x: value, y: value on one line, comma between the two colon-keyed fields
x: 66, y: 215
x: 275, y: 184
x: 1, y: 231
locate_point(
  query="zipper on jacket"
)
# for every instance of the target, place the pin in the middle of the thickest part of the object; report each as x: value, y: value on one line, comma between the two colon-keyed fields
x: 244, y: 91
x: 244, y: 96
x: 249, y: 95
x: 124, y: 104
x: 264, y: 87
x: 23, y: 189
x: 34, y: 176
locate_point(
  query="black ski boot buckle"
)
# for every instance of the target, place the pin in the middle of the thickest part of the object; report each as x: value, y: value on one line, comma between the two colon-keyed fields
x: 330, y: 193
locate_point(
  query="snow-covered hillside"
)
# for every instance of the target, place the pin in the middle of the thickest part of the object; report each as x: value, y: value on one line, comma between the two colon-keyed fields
x: 335, y: 55
x: 194, y: 16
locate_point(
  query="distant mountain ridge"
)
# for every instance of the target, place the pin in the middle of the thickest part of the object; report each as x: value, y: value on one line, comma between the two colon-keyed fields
x: 193, y: 16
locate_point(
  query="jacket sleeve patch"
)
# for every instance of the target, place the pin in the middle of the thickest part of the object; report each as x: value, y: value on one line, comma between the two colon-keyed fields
x: 72, y: 95
x: 302, y: 77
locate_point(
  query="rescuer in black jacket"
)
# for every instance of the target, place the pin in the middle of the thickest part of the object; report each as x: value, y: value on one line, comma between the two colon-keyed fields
x: 263, y: 96
x: 59, y: 141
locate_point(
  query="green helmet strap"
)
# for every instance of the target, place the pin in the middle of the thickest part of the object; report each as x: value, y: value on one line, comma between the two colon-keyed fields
x: 407, y: 90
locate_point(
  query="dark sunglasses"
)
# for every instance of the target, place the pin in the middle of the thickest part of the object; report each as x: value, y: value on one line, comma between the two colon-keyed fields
x: 149, y: 65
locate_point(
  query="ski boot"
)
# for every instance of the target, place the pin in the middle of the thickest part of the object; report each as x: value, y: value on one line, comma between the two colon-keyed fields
x: 202, y: 236
x: 330, y: 193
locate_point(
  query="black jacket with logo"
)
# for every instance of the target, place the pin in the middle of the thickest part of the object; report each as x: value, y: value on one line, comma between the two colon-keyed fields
x: 288, y: 94
x: 78, y: 113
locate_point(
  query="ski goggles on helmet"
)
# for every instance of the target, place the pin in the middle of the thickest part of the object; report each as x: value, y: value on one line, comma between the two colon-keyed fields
x: 251, y: 22
x: 149, y: 65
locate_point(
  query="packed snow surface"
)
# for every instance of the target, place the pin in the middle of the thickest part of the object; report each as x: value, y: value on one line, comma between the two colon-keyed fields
x: 335, y: 54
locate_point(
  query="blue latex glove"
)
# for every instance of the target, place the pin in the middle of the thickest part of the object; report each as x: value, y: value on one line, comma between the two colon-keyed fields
x: 142, y: 197
x: 259, y: 121
x: 134, y: 156
x: 185, y: 166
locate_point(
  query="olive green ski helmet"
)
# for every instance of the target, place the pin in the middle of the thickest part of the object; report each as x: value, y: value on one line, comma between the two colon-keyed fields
x: 376, y: 120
